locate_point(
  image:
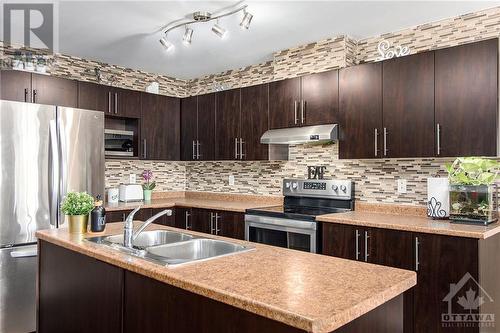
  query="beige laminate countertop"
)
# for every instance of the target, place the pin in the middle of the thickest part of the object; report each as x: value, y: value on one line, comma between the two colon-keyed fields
x: 412, y: 223
x: 234, y: 203
x: 312, y: 292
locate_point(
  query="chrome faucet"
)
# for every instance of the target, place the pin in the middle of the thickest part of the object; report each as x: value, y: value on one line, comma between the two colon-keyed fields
x: 128, y: 230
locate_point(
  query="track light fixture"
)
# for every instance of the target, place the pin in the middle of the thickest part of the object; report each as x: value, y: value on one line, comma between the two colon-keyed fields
x: 188, y: 36
x: 246, y: 20
x: 218, y: 30
x: 203, y: 17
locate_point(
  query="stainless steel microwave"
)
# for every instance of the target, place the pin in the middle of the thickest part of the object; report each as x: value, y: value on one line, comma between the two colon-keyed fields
x: 118, y: 143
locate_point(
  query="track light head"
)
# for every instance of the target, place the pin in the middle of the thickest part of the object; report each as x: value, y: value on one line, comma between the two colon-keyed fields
x: 246, y: 20
x: 218, y: 30
x: 166, y: 44
x: 188, y: 36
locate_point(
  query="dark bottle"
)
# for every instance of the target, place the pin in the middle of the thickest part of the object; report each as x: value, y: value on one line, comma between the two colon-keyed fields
x: 98, y: 216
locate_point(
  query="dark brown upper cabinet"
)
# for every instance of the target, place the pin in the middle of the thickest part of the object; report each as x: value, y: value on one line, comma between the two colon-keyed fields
x: 320, y: 98
x: 302, y: 101
x: 284, y: 98
x: 198, y: 127
x: 127, y: 103
x: 254, y: 122
x: 360, y: 111
x: 54, y: 90
x: 93, y: 96
x: 15, y: 86
x: 466, y: 99
x: 408, y: 106
x: 160, y: 127
x: 227, y: 125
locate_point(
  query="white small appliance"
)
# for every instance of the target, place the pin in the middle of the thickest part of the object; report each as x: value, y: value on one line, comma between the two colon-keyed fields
x: 131, y: 192
x: 438, y: 198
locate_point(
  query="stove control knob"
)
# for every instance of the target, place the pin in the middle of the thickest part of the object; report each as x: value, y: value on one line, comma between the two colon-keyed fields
x: 343, y: 188
x: 294, y: 186
x: 287, y: 185
x: 335, y: 188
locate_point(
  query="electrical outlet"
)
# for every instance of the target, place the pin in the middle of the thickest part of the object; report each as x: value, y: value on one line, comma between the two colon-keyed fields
x: 231, y: 180
x: 132, y: 178
x: 401, y: 184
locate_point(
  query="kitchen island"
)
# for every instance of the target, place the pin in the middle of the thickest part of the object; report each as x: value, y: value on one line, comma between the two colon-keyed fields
x: 93, y: 288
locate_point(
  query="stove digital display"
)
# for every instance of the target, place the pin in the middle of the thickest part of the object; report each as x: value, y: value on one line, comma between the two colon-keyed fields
x: 315, y: 186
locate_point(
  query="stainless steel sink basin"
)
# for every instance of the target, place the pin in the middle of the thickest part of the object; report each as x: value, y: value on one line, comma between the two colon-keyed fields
x: 194, y: 250
x: 167, y: 247
x: 152, y: 238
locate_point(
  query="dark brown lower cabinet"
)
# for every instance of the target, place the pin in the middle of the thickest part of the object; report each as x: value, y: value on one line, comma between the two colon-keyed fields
x: 117, y: 216
x: 448, y: 271
x: 165, y: 219
x: 183, y: 218
x: 231, y: 224
x: 77, y: 294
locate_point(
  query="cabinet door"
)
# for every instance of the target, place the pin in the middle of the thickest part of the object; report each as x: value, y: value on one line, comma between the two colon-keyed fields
x: 343, y: 241
x: 54, y: 91
x: 320, y: 98
x: 15, y: 86
x: 93, y: 96
x: 143, y: 214
x: 203, y: 220
x: 392, y: 248
x: 183, y: 218
x: 117, y: 216
x: 466, y: 99
x: 227, y: 125
x: 360, y: 111
x: 443, y: 261
x: 408, y: 106
x: 189, y: 128
x: 230, y: 224
x: 254, y: 121
x: 206, y: 126
x: 164, y: 220
x: 284, y: 98
x: 127, y: 103
x: 160, y: 124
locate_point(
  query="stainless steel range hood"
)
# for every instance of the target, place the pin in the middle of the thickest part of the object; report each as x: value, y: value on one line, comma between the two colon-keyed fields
x: 301, y: 135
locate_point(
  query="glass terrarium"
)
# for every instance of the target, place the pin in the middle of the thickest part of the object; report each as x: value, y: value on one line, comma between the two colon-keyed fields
x: 473, y: 203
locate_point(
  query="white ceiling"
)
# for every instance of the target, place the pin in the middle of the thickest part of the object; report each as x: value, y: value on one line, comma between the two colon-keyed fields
x: 126, y: 33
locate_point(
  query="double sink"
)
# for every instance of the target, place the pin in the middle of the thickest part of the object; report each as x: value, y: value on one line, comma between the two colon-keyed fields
x: 167, y: 247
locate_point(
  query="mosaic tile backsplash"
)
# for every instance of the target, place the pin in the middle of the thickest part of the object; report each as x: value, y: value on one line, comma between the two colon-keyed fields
x: 375, y: 179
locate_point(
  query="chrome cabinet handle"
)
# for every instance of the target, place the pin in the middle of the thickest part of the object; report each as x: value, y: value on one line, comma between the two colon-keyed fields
x: 235, y: 148
x: 376, y: 142
x: 188, y: 227
x: 357, y: 244
x: 194, y: 153
x: 303, y: 111
x: 417, y: 263
x: 144, y: 148
x: 124, y: 216
x: 438, y: 139
x: 198, y: 150
x: 295, y: 112
x: 385, y: 141
x: 34, y: 96
x: 366, y: 246
x: 241, y: 149
x: 212, y: 229
x: 116, y: 103
x: 217, y: 229
x: 26, y: 94
x: 109, y: 101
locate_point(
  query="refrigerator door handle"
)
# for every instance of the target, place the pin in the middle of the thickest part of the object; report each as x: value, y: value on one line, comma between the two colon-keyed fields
x: 63, y: 168
x: 31, y: 252
x: 53, y: 173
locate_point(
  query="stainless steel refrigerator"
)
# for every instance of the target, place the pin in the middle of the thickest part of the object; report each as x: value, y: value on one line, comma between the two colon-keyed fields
x: 45, y: 152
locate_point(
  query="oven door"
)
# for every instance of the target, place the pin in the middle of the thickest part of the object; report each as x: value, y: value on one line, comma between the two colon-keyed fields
x: 292, y: 234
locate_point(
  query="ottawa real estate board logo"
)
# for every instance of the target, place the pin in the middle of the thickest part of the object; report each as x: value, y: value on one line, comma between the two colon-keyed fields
x: 31, y: 25
x: 464, y: 301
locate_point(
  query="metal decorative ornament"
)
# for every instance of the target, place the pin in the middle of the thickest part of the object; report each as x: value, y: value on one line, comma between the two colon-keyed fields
x: 387, y: 51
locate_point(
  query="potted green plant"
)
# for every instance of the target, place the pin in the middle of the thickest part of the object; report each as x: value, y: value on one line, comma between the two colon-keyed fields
x: 473, y: 192
x: 77, y: 206
x: 148, y: 185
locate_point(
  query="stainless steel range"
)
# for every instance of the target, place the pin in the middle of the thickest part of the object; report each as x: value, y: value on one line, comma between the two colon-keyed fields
x: 294, y: 225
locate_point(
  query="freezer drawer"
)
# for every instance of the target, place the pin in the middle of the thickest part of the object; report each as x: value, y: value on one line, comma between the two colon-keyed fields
x: 17, y: 289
